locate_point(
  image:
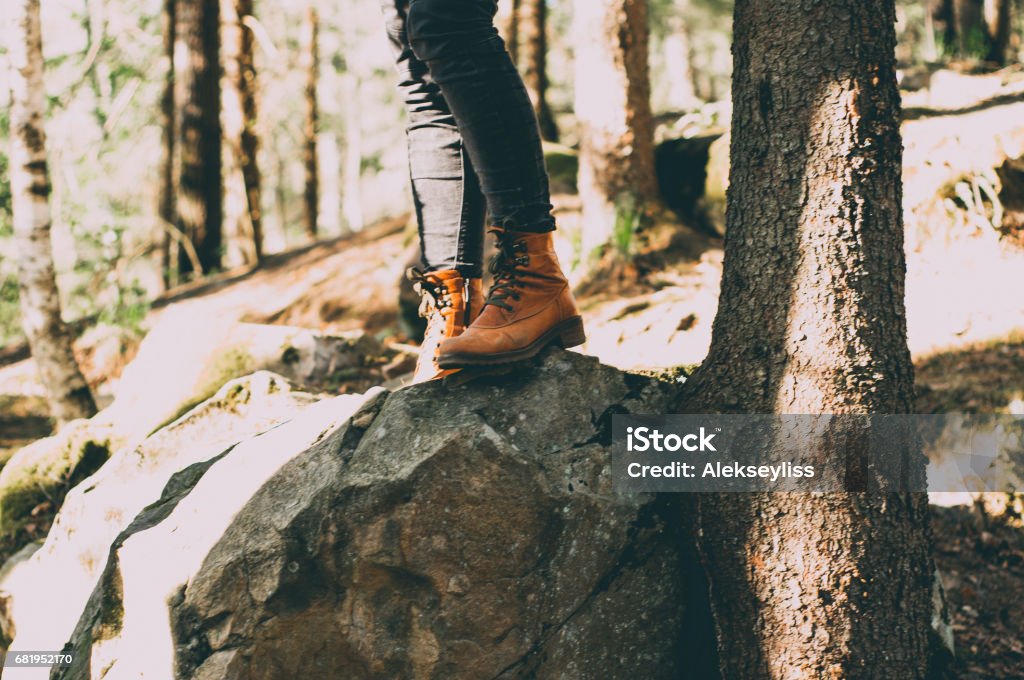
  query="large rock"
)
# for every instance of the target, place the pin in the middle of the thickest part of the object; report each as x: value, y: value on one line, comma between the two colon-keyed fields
x: 436, y: 532
x: 167, y: 378
x: 190, y: 372
x: 41, y: 616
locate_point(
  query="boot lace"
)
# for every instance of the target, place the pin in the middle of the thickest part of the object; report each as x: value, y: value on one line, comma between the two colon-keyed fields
x: 504, y: 266
x: 433, y: 296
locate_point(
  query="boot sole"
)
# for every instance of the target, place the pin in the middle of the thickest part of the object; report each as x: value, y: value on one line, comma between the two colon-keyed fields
x: 567, y: 333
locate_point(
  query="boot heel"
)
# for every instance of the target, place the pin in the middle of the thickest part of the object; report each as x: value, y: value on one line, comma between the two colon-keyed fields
x: 572, y: 333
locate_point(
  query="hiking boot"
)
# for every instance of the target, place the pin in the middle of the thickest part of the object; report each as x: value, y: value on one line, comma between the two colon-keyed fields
x: 449, y: 303
x: 529, y: 307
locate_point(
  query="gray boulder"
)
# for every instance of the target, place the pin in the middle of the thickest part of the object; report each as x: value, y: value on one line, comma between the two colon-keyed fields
x: 190, y: 372
x: 42, y: 599
x: 434, y: 532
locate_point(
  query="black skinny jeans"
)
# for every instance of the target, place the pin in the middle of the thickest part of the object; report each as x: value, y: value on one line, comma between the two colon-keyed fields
x: 474, y: 143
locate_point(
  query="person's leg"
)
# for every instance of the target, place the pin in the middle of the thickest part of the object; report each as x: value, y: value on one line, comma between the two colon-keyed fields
x: 467, y: 58
x: 530, y: 304
x: 450, y: 207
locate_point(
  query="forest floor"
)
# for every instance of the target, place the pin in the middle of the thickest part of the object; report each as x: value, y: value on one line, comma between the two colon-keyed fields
x: 982, y: 568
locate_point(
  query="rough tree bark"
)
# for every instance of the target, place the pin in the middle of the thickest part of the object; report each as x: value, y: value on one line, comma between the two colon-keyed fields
x: 243, y: 213
x: 197, y: 106
x: 48, y: 336
x: 166, y: 211
x: 613, y: 107
x: 533, y: 22
x: 311, y: 66
x: 811, y: 319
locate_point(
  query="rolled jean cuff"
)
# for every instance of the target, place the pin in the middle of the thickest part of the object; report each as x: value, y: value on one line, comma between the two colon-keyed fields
x: 535, y: 220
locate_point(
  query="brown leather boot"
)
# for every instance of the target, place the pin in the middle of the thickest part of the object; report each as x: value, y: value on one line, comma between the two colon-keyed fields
x: 529, y: 307
x: 449, y: 303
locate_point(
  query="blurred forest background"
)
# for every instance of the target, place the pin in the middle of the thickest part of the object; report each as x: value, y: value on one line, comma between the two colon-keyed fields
x: 329, y: 167
x: 107, y: 76
x: 228, y: 190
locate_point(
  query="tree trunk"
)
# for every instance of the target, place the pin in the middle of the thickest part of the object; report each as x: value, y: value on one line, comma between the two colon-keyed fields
x: 998, y: 22
x: 352, y: 91
x: 972, y: 34
x: 166, y: 213
x: 930, y: 51
x: 811, y: 319
x: 613, y: 107
x: 48, y: 336
x: 243, y: 213
x: 945, y: 12
x: 197, y: 95
x: 353, y: 168
x: 677, y: 48
x: 311, y: 66
x: 533, y: 23
x: 512, y: 30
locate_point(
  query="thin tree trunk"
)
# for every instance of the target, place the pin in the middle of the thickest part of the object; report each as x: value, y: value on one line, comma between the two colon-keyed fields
x: 811, y: 319
x: 972, y: 33
x: 682, y: 95
x: 998, y: 21
x: 946, y: 13
x: 613, y: 107
x: 330, y: 172
x: 533, y: 22
x: 353, y: 168
x: 243, y: 213
x: 197, y: 95
x: 48, y: 336
x: 281, y: 198
x: 351, y: 194
x: 311, y: 67
x: 166, y: 212
x: 929, y: 51
x: 512, y: 30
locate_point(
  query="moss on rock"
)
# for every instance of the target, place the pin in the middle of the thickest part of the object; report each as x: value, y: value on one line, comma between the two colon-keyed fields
x: 46, y: 469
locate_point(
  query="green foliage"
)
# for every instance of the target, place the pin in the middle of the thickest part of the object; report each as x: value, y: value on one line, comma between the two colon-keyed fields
x: 576, y: 241
x: 10, y: 316
x: 5, y: 180
x: 371, y: 163
x: 629, y: 218
x: 116, y: 298
x: 129, y: 309
x: 974, y: 44
x: 46, y: 470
